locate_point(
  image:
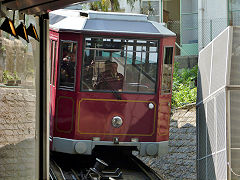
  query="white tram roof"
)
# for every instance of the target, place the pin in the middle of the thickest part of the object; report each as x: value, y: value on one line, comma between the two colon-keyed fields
x: 93, y: 21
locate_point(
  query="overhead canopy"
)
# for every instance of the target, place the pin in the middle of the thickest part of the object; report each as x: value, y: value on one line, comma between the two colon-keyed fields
x: 37, y: 7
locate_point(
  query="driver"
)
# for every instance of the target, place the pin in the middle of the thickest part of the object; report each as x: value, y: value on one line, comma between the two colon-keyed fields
x: 110, y: 79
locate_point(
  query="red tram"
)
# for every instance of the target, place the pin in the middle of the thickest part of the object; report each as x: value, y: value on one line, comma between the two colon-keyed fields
x: 111, y: 78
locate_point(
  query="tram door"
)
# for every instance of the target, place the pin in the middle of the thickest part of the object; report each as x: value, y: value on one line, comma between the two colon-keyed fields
x: 65, y: 94
x: 53, y: 72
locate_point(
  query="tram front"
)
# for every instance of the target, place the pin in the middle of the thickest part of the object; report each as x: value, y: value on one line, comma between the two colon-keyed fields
x: 123, y: 85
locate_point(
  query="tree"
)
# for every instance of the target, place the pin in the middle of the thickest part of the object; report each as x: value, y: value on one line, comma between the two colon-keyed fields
x: 104, y: 5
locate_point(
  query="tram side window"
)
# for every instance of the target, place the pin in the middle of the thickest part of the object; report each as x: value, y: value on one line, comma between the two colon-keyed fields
x: 67, y: 65
x: 50, y: 60
x: 53, y: 61
x: 167, y: 70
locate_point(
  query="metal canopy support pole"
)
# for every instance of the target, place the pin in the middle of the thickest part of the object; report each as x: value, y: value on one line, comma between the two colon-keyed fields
x: 43, y: 123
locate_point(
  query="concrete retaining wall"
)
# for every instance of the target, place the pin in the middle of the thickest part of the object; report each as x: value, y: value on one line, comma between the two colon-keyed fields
x: 186, y: 61
x: 17, y: 134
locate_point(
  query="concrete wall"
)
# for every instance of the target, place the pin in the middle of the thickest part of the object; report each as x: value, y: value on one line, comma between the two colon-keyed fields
x: 17, y: 134
x: 186, y: 61
x: 180, y: 162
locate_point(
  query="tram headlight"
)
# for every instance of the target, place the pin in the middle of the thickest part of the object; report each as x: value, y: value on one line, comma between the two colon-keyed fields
x: 117, y: 121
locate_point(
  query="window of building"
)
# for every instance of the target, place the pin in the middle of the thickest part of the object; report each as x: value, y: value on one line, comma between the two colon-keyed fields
x: 111, y: 64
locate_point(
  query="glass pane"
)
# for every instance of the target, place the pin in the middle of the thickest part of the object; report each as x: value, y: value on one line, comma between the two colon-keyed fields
x: 19, y: 77
x: 54, y: 61
x: 67, y: 65
x: 120, y: 65
x: 51, y: 56
x: 167, y: 70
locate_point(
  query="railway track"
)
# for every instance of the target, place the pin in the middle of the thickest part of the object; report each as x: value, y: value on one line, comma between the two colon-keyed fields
x: 106, y: 166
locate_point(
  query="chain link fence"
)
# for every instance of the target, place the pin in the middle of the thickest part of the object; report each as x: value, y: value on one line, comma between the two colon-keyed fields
x: 187, y: 36
x: 192, y: 36
x: 209, y: 29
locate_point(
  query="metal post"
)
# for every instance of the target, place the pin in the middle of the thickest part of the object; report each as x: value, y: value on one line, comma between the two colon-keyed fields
x: 211, y: 30
x: 43, y: 123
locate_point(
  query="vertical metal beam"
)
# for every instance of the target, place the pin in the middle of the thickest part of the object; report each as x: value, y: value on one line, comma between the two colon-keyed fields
x: 41, y: 84
x: 43, y: 123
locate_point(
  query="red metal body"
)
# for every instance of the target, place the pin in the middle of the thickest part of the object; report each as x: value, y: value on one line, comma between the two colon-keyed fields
x: 80, y: 115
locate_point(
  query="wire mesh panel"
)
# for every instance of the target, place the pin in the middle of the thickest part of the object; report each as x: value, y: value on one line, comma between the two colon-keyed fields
x: 211, y: 174
x: 211, y: 130
x: 202, y: 169
x: 234, y: 118
x: 235, y: 61
x: 221, y: 158
x: 221, y: 120
x: 212, y: 137
x: 204, y: 66
x: 202, y: 132
x: 219, y: 61
x: 212, y: 109
x: 221, y: 165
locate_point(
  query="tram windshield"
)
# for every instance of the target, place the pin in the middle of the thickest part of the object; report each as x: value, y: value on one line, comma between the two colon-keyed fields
x: 125, y: 65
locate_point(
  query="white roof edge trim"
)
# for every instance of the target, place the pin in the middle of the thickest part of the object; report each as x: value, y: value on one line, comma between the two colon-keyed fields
x: 115, y: 16
x: 124, y: 32
x: 101, y: 15
x: 66, y: 12
x: 102, y: 31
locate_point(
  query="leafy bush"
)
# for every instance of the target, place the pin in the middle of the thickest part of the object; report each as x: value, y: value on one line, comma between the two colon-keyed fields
x: 184, y: 89
x: 7, y: 76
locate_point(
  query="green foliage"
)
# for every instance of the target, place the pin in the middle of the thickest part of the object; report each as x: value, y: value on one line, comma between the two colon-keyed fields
x: 15, y: 76
x: 184, y: 89
x: 131, y: 3
x: 105, y: 5
x: 7, y: 76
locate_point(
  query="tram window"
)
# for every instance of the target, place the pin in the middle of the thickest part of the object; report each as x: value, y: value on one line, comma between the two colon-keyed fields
x: 167, y: 70
x: 53, y: 61
x: 67, y: 64
x: 133, y: 65
x: 50, y: 61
